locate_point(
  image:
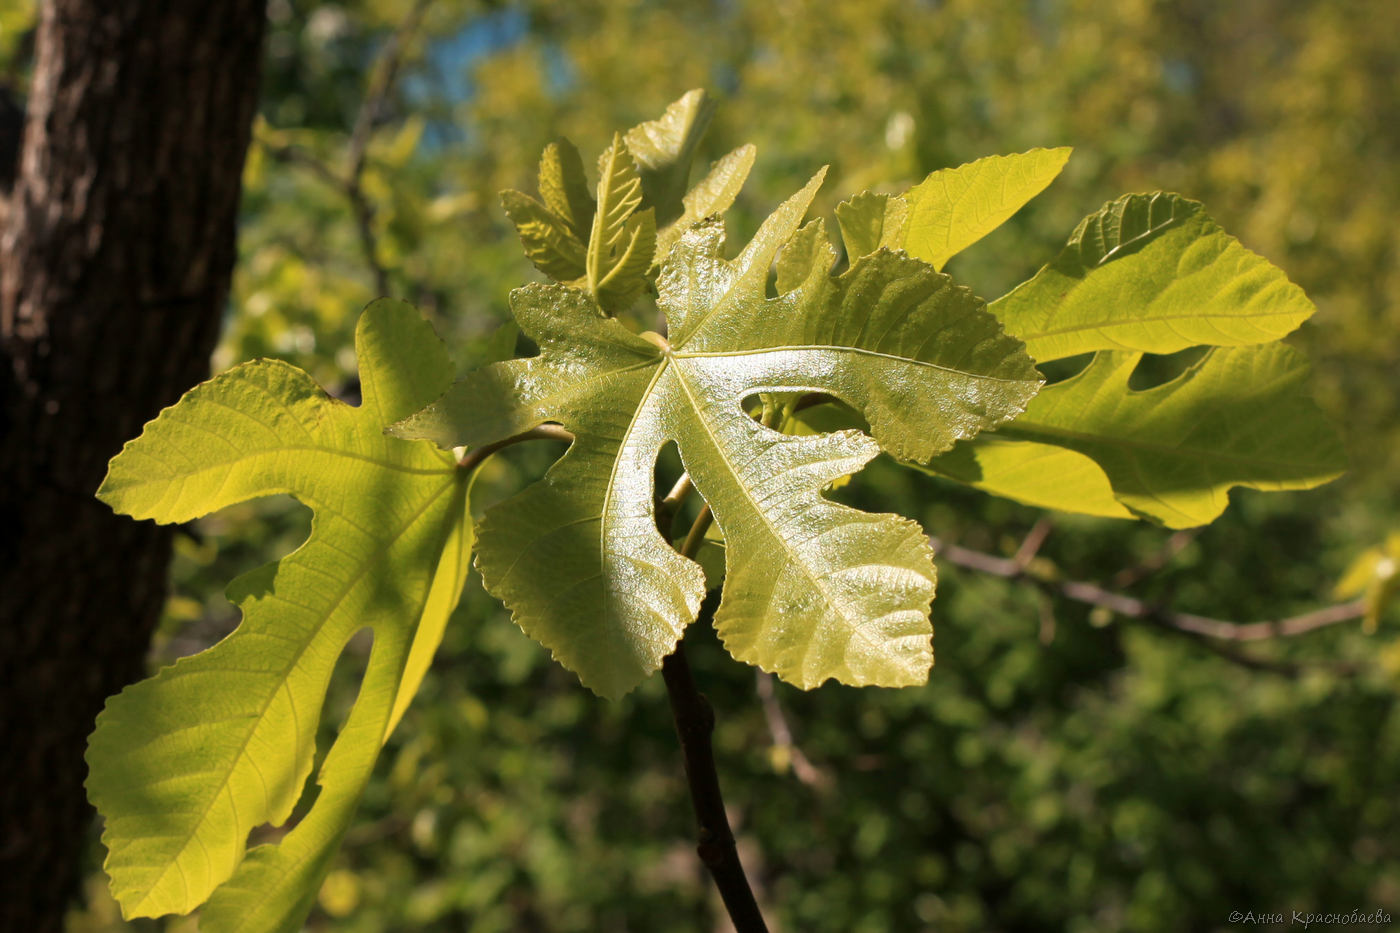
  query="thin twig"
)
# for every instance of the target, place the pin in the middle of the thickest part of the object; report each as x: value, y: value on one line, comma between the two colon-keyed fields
x: 667, y: 508
x: 778, y: 728
x: 350, y: 189
x: 1047, y: 618
x: 1201, y: 627
x: 351, y: 184
x: 386, y: 71
x: 695, y: 724
x: 693, y: 538
x: 1173, y: 546
x: 385, y: 74
x: 1030, y: 545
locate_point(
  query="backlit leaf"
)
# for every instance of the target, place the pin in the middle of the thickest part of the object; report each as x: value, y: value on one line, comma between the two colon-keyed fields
x: 1151, y: 272
x: 623, y: 242
x: 950, y: 209
x: 548, y: 240
x: 565, y: 189
x: 1036, y: 474
x: 712, y: 195
x: 664, y: 149
x: 184, y: 765
x: 1241, y: 416
x: 954, y: 208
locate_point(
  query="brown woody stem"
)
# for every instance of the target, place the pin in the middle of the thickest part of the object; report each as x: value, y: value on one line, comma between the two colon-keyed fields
x: 695, y: 723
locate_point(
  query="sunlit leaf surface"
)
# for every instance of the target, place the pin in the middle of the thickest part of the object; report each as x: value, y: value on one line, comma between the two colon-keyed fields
x: 813, y: 590
x: 186, y: 764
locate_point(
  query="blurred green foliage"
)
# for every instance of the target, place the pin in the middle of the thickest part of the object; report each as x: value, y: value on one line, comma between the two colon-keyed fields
x: 1062, y: 770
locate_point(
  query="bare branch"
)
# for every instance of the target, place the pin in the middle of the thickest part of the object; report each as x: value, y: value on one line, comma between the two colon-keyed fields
x: 1173, y: 546
x: 351, y: 184
x: 695, y: 723
x: 1203, y: 628
x: 802, y: 766
x: 386, y: 72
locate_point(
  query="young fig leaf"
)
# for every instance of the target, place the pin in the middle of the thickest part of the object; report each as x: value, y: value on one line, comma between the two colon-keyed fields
x: 565, y: 189
x: 712, y: 195
x: 813, y: 590
x: 665, y: 149
x: 555, y: 233
x: 950, y: 209
x: 184, y: 765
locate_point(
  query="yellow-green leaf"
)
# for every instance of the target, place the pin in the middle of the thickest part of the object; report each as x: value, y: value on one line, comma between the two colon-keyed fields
x: 950, y: 209
x: 954, y: 208
x: 1151, y: 272
x: 665, y: 150
x: 1035, y: 474
x: 623, y: 239
x: 1241, y: 416
x: 184, y: 765
x: 813, y: 590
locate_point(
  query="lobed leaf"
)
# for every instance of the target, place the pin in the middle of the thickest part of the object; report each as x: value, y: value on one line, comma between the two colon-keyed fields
x: 1241, y: 416
x: 814, y: 590
x: 184, y: 765
x: 1151, y: 273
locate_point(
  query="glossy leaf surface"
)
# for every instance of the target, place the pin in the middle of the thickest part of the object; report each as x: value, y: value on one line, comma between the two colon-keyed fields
x: 813, y: 590
x: 184, y: 765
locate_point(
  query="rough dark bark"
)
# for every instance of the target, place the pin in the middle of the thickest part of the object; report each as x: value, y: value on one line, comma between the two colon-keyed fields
x: 115, y: 261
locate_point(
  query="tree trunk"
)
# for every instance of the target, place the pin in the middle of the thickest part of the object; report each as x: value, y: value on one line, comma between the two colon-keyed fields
x: 117, y: 249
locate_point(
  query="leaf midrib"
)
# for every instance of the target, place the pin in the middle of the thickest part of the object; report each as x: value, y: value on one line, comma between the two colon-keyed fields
x: 1115, y: 324
x: 603, y: 547
x: 1031, y: 430
x: 719, y: 354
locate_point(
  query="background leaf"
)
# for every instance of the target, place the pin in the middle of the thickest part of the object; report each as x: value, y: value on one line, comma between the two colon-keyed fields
x: 1241, y: 416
